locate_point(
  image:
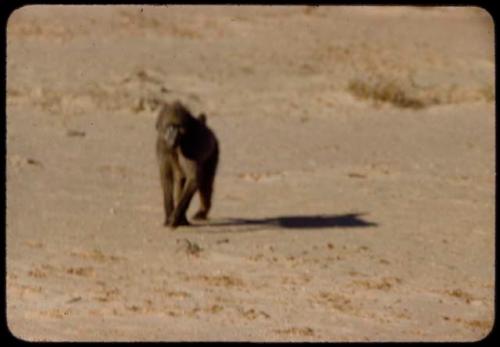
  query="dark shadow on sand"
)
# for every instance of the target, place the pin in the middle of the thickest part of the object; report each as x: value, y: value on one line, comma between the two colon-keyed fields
x: 350, y: 220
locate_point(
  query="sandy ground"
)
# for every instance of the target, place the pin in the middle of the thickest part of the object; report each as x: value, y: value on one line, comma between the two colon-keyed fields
x: 355, y: 194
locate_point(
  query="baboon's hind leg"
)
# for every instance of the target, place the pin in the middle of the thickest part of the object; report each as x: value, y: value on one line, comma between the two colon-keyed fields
x: 205, y: 189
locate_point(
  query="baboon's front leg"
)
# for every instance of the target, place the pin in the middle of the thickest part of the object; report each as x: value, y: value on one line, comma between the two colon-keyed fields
x: 180, y: 182
x: 167, y: 185
x: 179, y: 216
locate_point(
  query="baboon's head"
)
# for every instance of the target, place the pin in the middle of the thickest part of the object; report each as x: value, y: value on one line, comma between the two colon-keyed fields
x: 173, y: 123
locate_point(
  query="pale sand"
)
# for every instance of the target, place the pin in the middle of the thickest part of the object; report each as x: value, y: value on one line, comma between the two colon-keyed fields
x: 354, y: 199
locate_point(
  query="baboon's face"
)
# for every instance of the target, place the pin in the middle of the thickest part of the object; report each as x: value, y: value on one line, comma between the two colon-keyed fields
x: 172, y: 134
x: 171, y: 128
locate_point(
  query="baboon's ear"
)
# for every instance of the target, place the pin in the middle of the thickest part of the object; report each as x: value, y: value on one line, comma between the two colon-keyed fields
x: 202, y: 118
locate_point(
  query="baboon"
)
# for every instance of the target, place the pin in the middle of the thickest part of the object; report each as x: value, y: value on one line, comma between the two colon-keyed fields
x: 187, y: 152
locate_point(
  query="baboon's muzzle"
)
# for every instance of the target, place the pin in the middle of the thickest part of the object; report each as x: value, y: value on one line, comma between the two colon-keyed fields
x: 171, y: 136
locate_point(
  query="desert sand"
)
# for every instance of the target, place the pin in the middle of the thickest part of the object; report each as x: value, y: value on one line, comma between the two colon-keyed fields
x: 354, y: 199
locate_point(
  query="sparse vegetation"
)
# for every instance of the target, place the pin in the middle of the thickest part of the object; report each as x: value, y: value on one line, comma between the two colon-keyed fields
x: 190, y: 247
x: 404, y: 94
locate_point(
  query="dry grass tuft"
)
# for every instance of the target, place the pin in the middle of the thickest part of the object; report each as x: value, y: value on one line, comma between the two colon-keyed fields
x: 385, y: 91
x: 405, y: 94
